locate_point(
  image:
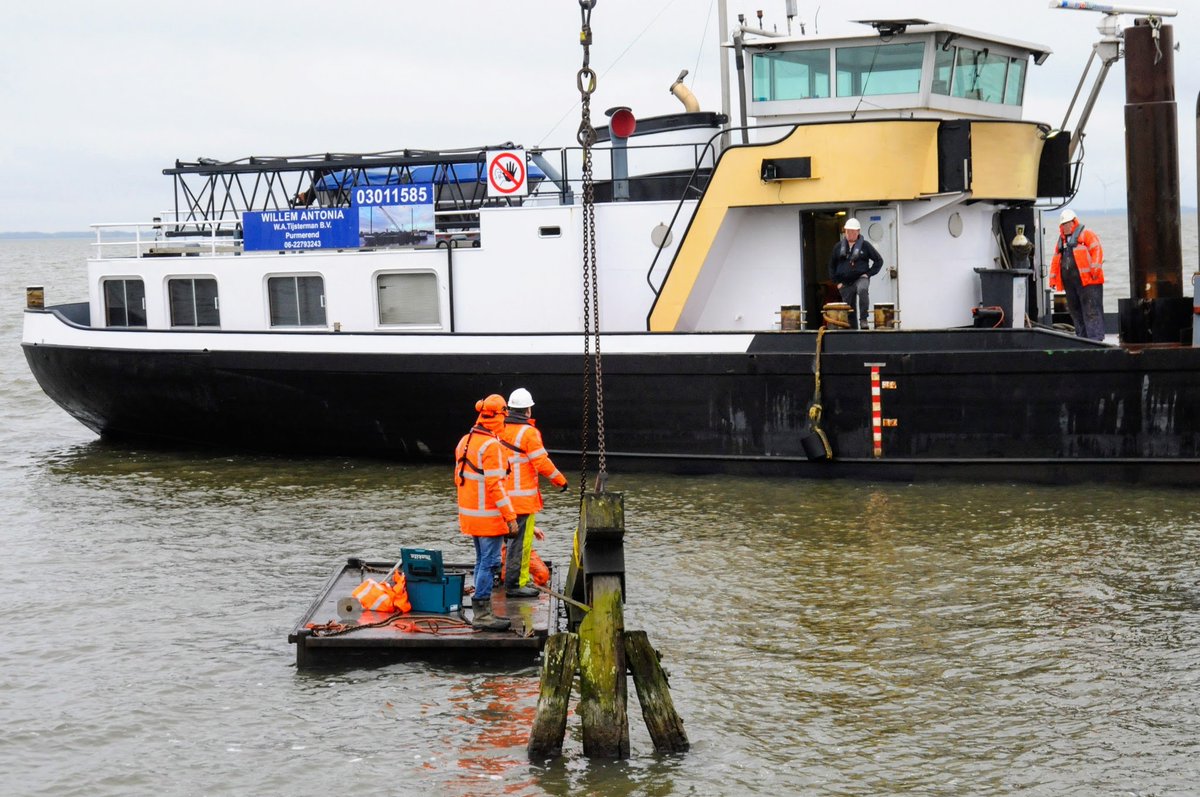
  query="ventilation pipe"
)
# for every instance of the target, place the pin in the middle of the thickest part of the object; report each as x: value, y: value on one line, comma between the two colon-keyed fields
x: 684, y: 94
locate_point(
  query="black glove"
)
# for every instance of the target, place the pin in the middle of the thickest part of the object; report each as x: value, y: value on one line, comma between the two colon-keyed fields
x: 564, y: 488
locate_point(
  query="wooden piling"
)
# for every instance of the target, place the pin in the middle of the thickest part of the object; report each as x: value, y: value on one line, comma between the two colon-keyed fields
x: 561, y: 658
x: 602, y: 687
x: 658, y: 709
x: 599, y: 548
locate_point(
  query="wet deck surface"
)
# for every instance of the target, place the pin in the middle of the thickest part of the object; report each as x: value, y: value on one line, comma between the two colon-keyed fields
x: 420, y: 635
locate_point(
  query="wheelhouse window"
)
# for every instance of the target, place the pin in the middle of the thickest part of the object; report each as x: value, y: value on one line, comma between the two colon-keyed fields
x: 410, y: 298
x: 194, y: 302
x: 880, y: 69
x: 1014, y: 88
x: 296, y: 301
x: 791, y: 75
x: 979, y: 75
x: 124, y: 303
x: 943, y: 69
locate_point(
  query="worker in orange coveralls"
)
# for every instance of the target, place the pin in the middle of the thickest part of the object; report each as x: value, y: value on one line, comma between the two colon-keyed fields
x: 485, y: 512
x: 527, y: 460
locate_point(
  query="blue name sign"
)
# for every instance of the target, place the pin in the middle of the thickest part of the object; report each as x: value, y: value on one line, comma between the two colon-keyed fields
x: 303, y: 228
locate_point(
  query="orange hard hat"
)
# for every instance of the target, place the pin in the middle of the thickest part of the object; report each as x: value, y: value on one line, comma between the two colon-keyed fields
x: 492, y: 405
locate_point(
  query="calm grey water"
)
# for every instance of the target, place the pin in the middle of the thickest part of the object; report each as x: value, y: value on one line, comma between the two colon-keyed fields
x: 839, y: 638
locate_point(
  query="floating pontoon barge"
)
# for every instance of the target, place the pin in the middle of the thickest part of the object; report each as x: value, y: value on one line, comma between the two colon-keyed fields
x: 324, y: 637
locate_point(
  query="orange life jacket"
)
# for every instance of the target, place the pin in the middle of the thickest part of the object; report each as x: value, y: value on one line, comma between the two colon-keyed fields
x: 538, y: 570
x: 380, y: 596
x: 484, y: 507
x: 527, y: 458
x: 1089, y: 257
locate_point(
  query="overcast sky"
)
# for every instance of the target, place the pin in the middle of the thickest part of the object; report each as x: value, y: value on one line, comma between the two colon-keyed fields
x: 98, y: 97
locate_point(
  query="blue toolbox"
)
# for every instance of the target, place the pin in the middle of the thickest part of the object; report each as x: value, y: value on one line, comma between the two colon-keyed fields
x: 430, y: 587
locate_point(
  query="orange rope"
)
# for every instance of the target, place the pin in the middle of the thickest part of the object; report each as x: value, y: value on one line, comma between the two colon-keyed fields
x: 421, y: 624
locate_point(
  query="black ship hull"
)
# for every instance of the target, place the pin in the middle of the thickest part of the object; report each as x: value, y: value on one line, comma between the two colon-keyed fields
x: 1024, y: 405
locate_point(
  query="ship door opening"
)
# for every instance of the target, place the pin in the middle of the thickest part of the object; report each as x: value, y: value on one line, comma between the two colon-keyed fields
x: 819, y: 233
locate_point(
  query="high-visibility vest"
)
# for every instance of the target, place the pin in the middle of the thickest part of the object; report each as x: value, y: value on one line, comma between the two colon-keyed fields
x: 484, y: 508
x: 1089, y: 257
x: 527, y: 458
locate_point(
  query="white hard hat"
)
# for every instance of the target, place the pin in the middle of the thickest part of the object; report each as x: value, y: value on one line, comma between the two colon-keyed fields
x: 520, y: 399
x: 1067, y: 216
x: 852, y: 224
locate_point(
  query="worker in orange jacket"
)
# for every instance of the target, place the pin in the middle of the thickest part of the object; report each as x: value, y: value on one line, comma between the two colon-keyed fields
x: 527, y: 460
x: 1077, y: 269
x: 485, y: 512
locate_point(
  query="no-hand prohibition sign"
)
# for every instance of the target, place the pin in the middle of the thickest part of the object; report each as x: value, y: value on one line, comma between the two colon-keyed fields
x: 506, y: 173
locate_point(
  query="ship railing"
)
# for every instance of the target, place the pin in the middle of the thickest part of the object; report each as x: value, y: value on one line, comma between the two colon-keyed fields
x: 164, y: 238
x: 208, y: 189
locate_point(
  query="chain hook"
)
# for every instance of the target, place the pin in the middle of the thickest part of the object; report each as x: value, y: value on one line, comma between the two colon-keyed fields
x: 1155, y: 26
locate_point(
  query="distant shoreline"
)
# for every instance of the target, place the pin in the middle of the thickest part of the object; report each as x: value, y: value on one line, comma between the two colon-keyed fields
x: 46, y: 236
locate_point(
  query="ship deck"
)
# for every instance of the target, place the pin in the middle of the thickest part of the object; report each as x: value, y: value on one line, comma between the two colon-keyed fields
x: 324, y: 638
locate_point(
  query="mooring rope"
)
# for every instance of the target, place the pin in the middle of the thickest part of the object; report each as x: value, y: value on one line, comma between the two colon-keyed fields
x: 814, y: 409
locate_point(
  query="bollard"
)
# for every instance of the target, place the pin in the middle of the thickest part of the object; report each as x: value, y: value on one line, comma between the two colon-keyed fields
x: 791, y: 318
x: 836, y: 315
x: 35, y: 298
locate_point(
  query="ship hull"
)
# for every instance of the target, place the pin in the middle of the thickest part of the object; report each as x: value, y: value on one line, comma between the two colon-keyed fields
x: 1023, y: 405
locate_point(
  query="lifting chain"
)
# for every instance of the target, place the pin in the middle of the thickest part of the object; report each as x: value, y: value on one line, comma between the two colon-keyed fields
x: 593, y: 379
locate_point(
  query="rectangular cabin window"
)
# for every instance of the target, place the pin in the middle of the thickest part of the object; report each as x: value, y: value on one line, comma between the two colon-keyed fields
x: 791, y: 75
x: 296, y: 301
x: 1014, y: 90
x: 124, y: 303
x: 943, y: 70
x: 880, y: 69
x: 408, y: 299
x: 979, y: 75
x: 194, y: 302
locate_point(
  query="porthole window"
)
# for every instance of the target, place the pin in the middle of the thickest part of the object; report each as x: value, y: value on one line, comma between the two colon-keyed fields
x: 955, y: 225
x: 660, y: 236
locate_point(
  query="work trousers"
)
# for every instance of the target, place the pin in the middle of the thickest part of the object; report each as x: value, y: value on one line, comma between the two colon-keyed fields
x: 1085, y: 303
x: 517, y: 554
x: 857, y: 294
x: 487, y: 559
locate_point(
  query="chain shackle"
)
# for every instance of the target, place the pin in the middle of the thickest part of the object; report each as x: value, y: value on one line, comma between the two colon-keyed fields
x: 585, y: 79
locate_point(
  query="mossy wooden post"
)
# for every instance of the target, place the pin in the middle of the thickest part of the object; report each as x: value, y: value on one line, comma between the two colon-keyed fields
x: 561, y: 658
x: 658, y: 709
x: 597, y: 577
x: 602, y: 682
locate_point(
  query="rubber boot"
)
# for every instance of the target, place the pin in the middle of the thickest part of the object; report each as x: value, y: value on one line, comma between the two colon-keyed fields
x: 483, y: 619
